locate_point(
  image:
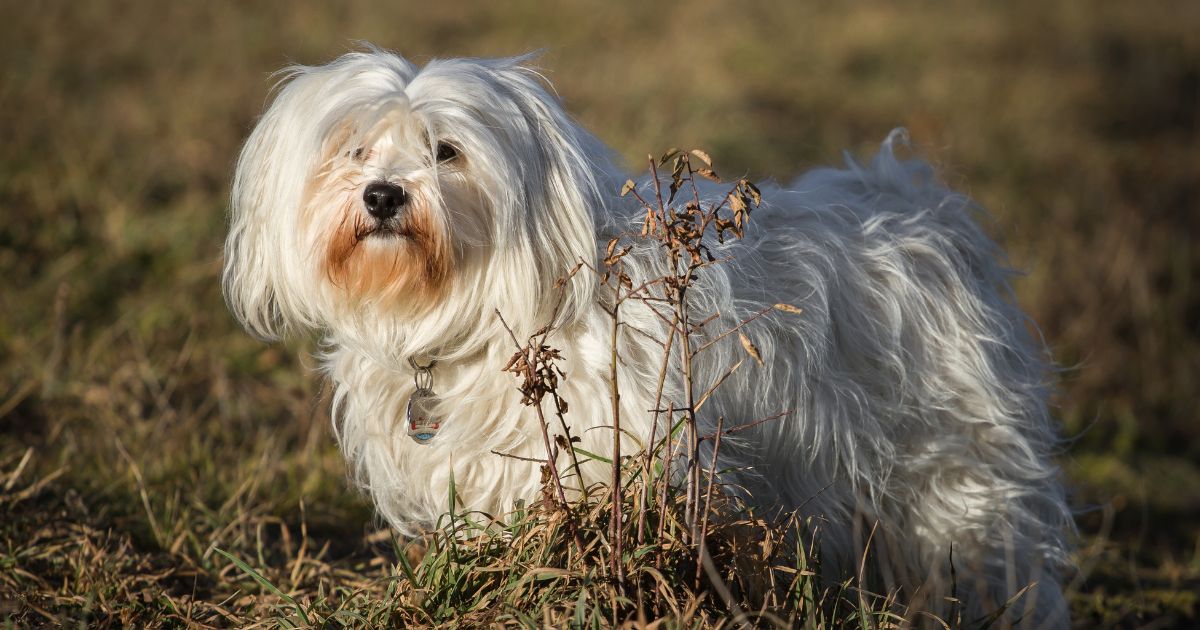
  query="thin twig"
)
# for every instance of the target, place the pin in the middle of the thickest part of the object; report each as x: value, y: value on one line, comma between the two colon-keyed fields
x: 535, y: 460
x: 748, y: 425
x: 736, y: 328
x: 726, y: 374
x: 712, y: 474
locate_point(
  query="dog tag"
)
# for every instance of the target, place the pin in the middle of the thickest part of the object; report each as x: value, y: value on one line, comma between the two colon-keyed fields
x: 422, y: 426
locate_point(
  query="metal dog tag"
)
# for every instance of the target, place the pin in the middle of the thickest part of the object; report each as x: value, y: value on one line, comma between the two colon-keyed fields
x: 422, y: 426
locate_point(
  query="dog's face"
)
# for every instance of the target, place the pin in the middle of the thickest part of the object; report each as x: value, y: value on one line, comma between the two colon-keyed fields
x: 393, y: 210
x: 373, y: 195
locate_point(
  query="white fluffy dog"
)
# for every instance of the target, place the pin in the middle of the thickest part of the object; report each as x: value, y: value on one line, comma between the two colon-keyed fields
x: 395, y: 209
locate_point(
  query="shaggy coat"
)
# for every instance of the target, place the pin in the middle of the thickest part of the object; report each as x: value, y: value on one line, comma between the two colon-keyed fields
x: 916, y: 392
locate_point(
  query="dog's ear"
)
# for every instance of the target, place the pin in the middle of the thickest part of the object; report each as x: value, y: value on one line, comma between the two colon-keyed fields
x: 577, y: 184
x: 264, y: 251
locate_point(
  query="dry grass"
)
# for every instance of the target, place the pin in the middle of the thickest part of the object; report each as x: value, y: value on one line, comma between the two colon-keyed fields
x: 140, y: 429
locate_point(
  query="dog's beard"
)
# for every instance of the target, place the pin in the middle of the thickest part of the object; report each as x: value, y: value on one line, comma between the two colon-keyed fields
x: 404, y: 260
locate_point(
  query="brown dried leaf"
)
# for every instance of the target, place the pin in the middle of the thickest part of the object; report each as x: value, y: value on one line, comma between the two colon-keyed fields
x: 512, y: 362
x: 750, y: 348
x: 708, y: 173
x: 650, y: 223
x: 562, y: 280
x: 788, y: 308
x: 678, y: 165
x: 616, y: 257
x: 629, y: 185
x: 704, y: 157
x: 754, y: 193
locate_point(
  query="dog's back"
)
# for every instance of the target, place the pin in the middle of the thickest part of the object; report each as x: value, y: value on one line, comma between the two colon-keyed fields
x: 916, y: 388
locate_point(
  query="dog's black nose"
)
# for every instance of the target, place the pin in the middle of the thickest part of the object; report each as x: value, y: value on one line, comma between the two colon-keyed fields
x: 383, y: 200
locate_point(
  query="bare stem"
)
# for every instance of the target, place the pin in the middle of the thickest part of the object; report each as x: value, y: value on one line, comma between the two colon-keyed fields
x: 570, y: 443
x: 615, y: 395
x: 531, y: 358
x: 651, y: 446
x: 665, y: 482
x: 693, y: 477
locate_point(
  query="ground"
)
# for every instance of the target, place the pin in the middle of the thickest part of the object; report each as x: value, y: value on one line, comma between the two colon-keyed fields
x: 140, y: 429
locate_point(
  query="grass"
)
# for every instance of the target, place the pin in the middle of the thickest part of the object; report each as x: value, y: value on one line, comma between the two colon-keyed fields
x: 140, y: 430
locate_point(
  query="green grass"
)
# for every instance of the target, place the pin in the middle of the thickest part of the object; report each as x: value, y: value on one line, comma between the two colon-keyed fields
x: 141, y: 430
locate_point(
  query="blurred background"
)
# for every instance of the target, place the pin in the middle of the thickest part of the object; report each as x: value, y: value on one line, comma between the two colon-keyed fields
x: 139, y: 426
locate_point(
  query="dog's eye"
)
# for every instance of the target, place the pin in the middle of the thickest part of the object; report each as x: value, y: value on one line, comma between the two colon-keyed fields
x: 358, y: 153
x: 446, y: 152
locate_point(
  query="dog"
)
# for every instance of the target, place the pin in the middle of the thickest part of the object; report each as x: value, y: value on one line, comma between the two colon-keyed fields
x: 398, y: 211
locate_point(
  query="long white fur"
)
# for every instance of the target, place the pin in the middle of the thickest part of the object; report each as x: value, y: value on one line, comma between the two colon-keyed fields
x: 916, y: 389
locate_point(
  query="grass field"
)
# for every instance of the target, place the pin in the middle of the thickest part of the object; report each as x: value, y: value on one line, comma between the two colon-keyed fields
x: 140, y: 428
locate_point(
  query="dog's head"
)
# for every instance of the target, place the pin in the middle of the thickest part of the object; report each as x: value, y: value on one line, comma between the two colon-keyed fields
x: 411, y: 202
